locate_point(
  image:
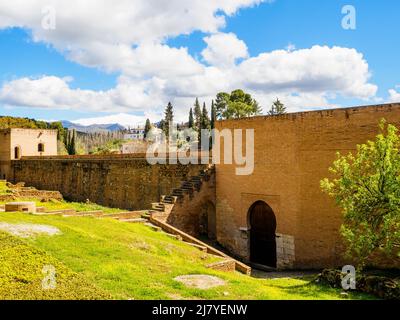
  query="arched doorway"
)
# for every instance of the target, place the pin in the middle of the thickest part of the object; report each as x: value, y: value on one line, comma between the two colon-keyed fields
x: 262, y: 234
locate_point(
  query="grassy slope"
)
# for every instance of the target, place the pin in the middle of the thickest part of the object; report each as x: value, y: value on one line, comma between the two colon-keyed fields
x: 21, y: 270
x: 132, y: 261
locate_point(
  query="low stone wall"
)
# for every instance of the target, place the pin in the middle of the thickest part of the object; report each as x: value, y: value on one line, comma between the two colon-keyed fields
x: 119, y: 181
x: 20, y: 191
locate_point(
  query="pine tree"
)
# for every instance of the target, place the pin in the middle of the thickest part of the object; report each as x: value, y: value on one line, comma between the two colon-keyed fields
x: 191, y: 120
x: 277, y: 108
x: 147, y: 128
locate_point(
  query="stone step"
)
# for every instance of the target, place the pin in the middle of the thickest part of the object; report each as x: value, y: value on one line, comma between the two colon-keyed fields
x: 53, y: 213
x: 91, y: 213
x: 201, y: 248
x: 77, y: 215
x: 145, y: 215
x: 134, y: 220
x: 228, y: 265
x: 97, y: 213
x: 61, y: 211
x: 179, y: 195
x: 158, y: 206
x: 152, y: 226
x: 173, y: 236
x: 123, y: 215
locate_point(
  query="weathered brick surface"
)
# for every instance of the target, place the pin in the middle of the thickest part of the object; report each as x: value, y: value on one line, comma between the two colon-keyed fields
x: 126, y: 183
x: 292, y: 154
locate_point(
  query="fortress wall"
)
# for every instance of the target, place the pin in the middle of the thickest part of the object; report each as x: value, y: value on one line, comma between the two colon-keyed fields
x: 292, y: 154
x: 123, y: 182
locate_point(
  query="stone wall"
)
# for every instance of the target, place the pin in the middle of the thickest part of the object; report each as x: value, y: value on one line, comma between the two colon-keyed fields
x: 124, y: 182
x: 292, y: 154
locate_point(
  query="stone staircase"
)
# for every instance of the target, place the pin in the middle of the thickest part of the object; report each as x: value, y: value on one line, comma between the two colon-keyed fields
x: 188, y: 187
x: 161, y: 210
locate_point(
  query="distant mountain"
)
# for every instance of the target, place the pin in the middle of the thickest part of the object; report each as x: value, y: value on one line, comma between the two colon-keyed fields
x: 92, y: 128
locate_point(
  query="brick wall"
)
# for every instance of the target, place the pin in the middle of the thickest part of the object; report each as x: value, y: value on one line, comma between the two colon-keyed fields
x: 292, y: 154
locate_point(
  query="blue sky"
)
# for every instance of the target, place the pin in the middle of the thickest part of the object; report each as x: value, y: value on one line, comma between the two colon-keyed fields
x: 263, y: 28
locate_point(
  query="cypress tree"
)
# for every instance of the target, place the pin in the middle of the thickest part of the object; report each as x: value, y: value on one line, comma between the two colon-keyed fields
x: 73, y: 143
x: 147, y: 128
x: 169, y: 118
x: 213, y: 115
x: 197, y: 115
x: 191, y: 120
x: 205, y: 120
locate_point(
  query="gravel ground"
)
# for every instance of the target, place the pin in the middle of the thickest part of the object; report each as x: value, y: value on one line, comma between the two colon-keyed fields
x: 200, y: 281
x: 24, y: 230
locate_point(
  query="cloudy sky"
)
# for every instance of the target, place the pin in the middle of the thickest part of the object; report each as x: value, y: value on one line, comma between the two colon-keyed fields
x: 123, y: 60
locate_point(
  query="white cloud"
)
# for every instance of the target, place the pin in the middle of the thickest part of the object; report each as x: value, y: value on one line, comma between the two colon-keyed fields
x: 129, y: 36
x: 104, y: 33
x: 223, y: 49
x: 55, y: 93
x: 318, y: 69
x: 394, y: 96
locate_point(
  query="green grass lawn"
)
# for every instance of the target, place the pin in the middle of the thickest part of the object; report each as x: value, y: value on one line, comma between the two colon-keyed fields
x: 131, y: 261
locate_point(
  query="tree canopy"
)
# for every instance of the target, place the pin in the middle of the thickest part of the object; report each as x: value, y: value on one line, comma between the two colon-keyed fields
x: 367, y: 187
x: 237, y: 104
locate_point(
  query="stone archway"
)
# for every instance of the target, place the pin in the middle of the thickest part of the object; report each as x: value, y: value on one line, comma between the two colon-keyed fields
x: 262, y: 222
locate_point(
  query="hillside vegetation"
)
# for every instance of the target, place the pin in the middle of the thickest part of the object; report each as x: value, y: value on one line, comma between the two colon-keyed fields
x: 15, y: 122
